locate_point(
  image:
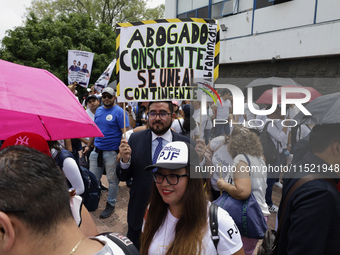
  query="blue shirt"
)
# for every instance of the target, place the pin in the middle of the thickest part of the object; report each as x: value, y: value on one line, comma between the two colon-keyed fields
x: 110, y: 122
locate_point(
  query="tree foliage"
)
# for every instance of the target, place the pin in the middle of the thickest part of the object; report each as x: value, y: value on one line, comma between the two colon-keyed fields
x: 44, y: 43
x: 53, y: 27
x: 109, y: 12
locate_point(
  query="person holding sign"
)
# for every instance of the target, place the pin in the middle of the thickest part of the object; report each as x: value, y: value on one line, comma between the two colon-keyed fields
x: 110, y: 120
x: 141, y: 151
x: 177, y: 218
x: 222, y: 113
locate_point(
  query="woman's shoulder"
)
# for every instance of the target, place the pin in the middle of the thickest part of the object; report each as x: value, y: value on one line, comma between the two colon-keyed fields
x: 254, y: 160
x: 217, y: 141
x: 230, y: 238
x: 240, y: 157
x: 222, y: 215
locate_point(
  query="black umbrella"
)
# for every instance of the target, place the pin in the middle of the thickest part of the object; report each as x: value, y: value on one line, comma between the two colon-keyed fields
x: 261, y: 85
x: 324, y: 110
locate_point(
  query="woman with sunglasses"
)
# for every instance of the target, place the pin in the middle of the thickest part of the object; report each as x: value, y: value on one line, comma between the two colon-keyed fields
x: 177, y: 219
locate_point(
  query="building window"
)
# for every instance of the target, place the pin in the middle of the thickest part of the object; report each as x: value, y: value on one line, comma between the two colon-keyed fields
x: 227, y: 8
x: 216, y: 10
x: 263, y: 3
x: 182, y: 16
x: 198, y: 13
x: 191, y: 14
x: 200, y: 8
x: 203, y: 13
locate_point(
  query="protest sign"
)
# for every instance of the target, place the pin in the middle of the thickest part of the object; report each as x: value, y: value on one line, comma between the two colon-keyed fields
x: 80, y: 66
x: 165, y: 59
x: 105, y: 77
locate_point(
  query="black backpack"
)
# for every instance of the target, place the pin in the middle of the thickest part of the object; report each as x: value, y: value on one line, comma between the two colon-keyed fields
x: 122, y: 242
x: 184, y: 132
x: 270, y: 151
x: 91, y: 195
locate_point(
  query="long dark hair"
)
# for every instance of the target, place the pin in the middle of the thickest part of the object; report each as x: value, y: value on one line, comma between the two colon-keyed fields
x: 191, y: 226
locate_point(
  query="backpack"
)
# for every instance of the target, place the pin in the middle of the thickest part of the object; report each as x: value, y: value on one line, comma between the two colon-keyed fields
x: 213, y: 222
x: 185, y: 133
x: 270, y: 152
x: 124, y: 243
x: 91, y: 195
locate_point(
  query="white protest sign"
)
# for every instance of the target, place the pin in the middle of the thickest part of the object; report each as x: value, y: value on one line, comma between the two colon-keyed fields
x: 164, y: 60
x: 105, y: 77
x: 80, y: 66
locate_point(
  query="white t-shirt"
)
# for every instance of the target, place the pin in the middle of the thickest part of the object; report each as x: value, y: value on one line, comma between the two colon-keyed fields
x: 292, y: 111
x: 223, y: 110
x: 206, y: 121
x: 250, y: 115
x: 177, y: 127
x: 91, y: 114
x: 230, y: 238
x: 258, y: 178
x: 110, y: 247
x: 221, y: 156
x: 276, y: 134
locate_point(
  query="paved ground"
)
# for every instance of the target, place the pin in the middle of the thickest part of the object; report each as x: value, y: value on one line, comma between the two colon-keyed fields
x: 118, y: 223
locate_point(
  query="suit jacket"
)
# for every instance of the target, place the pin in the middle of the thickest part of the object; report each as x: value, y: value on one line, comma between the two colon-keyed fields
x: 140, y: 190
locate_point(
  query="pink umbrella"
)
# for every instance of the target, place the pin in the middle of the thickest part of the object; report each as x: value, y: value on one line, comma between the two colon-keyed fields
x: 267, y: 96
x: 34, y: 100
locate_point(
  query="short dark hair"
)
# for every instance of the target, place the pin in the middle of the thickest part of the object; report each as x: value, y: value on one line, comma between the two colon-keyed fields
x: 31, y: 181
x: 322, y: 136
x: 225, y: 91
x: 171, y: 107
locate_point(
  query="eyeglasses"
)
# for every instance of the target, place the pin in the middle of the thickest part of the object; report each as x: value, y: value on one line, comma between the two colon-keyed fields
x: 172, y: 179
x: 162, y: 115
x: 107, y: 96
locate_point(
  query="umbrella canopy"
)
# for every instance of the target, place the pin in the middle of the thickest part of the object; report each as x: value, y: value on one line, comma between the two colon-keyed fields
x: 324, y: 110
x: 34, y: 100
x: 261, y: 85
x: 267, y: 96
x: 113, y: 84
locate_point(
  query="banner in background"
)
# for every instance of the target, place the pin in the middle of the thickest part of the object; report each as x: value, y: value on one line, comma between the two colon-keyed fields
x: 80, y: 66
x: 165, y: 59
x: 105, y: 77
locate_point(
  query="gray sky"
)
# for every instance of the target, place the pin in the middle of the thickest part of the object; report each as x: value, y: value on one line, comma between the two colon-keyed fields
x: 11, y: 13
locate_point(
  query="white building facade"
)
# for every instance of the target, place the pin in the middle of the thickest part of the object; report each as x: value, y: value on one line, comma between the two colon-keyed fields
x: 278, y: 34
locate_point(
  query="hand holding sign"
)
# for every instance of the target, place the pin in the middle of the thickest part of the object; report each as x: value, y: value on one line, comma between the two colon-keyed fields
x: 200, y: 148
x: 125, y: 150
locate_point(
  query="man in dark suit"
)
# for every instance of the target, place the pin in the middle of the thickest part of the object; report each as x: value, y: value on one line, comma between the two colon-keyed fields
x: 141, y: 151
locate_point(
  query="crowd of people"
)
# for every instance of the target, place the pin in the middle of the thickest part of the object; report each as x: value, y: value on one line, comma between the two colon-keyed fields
x: 155, y: 147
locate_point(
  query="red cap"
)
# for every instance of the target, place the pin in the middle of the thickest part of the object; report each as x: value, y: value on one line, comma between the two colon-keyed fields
x: 29, y: 140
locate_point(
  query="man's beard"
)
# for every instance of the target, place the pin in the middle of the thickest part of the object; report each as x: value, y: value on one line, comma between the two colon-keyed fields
x: 160, y: 131
x: 108, y: 105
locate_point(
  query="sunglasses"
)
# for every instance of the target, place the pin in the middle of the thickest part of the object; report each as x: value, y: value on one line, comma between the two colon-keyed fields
x: 107, y: 96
